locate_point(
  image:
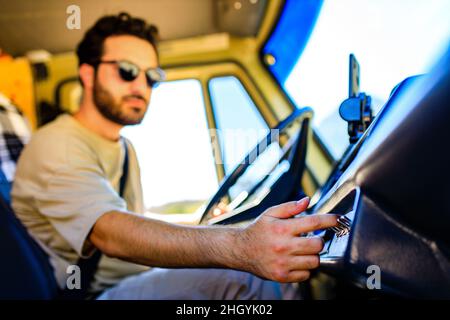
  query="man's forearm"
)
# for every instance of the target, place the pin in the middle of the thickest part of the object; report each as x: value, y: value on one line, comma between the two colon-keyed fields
x: 270, y: 247
x: 155, y: 243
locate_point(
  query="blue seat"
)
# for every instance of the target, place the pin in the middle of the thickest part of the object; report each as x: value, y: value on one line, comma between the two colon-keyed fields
x: 25, y: 271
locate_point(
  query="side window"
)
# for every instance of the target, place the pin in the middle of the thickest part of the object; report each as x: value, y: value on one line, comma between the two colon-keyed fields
x: 240, y: 128
x: 240, y: 124
x: 174, y: 150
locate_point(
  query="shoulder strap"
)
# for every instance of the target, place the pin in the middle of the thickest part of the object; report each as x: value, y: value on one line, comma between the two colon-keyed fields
x: 88, y: 266
x: 124, y: 177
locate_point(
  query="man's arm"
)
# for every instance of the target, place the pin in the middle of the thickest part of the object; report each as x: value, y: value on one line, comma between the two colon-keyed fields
x: 270, y: 247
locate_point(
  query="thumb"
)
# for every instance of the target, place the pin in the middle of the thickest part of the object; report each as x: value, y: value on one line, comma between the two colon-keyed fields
x: 288, y: 209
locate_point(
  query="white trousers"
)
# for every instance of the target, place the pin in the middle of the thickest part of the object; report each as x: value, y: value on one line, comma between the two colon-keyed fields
x: 198, y: 284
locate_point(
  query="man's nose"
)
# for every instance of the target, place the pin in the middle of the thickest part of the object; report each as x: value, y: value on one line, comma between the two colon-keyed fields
x: 139, y: 85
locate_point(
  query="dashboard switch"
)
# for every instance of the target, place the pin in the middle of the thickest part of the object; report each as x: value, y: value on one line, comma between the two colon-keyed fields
x: 343, y: 227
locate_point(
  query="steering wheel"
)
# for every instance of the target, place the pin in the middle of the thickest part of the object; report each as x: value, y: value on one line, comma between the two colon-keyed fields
x: 283, y: 183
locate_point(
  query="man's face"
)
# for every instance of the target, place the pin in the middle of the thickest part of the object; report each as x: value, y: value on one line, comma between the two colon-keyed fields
x: 119, y: 101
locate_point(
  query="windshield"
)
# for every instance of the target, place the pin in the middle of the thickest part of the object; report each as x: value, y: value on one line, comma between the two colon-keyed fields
x: 391, y: 40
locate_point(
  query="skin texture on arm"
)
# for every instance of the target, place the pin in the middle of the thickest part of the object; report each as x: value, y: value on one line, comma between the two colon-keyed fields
x: 270, y: 247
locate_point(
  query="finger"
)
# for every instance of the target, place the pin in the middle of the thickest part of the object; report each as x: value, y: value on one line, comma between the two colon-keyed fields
x: 298, y: 269
x: 305, y: 262
x: 298, y: 276
x: 313, y: 222
x: 305, y: 246
x: 288, y: 209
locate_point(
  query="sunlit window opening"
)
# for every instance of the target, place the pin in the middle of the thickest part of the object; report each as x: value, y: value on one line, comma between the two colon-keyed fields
x: 240, y: 124
x: 174, y: 149
x: 391, y: 40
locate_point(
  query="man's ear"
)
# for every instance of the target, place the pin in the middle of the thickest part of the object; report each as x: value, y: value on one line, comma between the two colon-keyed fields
x: 87, y: 75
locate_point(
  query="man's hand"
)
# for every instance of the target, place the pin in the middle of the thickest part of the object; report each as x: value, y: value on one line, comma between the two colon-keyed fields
x: 271, y: 246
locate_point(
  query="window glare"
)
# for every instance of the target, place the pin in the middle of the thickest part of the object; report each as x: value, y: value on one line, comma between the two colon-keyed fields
x: 173, y: 146
x: 391, y: 40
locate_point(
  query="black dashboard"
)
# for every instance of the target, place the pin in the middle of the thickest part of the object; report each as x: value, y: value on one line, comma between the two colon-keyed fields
x: 395, y: 187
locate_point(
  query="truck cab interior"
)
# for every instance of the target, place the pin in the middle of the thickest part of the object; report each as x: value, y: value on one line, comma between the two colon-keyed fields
x: 347, y: 102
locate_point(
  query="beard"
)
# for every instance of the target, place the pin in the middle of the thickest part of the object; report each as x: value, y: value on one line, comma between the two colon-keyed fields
x: 114, y: 111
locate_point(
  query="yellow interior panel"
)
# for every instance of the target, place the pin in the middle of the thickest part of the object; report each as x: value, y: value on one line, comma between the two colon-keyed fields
x: 16, y: 83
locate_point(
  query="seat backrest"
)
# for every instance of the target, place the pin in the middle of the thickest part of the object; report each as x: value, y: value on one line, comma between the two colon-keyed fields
x: 25, y: 271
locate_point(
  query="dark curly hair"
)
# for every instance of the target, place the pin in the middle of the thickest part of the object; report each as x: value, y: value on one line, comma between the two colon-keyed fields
x: 90, y: 49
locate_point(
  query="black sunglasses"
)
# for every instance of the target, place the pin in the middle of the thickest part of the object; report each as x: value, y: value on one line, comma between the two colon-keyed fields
x: 128, y: 71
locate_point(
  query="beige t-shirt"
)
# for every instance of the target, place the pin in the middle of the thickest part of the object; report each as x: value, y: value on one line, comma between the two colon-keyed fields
x: 67, y: 177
